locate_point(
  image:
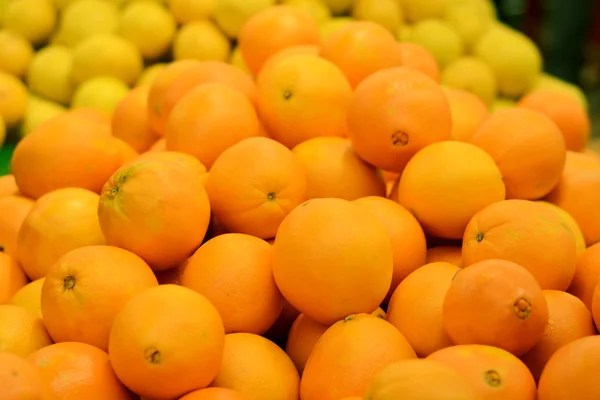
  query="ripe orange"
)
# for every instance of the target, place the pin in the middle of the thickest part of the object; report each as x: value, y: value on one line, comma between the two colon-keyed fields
x: 586, y: 161
x: 527, y: 147
x: 332, y: 258
x: 272, y: 376
x: 60, y: 221
x: 445, y: 184
x: 130, y: 120
x: 231, y: 270
x: 273, y: 29
x: 334, y: 170
x: 587, y: 275
x: 254, y: 184
x: 389, y: 118
x: 214, y: 393
x: 154, y: 343
x: 348, y: 48
x: 527, y: 233
x: 571, y: 224
x: 29, y: 297
x: 79, y: 370
x: 20, y: 380
x: 159, y: 145
x: 418, y: 57
x: 469, y: 113
x: 303, y: 96
x: 449, y: 254
x: 416, y: 307
x: 8, y: 185
x: 21, y: 332
x: 348, y: 354
x: 12, y: 277
x: 302, y: 337
x: 494, y: 296
x: 287, y: 52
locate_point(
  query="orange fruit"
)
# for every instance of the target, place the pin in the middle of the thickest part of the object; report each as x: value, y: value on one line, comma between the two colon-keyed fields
x: 29, y: 297
x: 416, y: 307
x: 12, y: 277
x: 157, y: 209
x: 468, y: 111
x: 273, y: 374
x: 449, y: 254
x: 286, y: 52
x: 348, y: 354
x: 98, y: 117
x: 568, y: 320
x: 60, y: 221
x: 130, y: 120
x: 208, y: 120
x: 19, y: 379
x: 234, y: 269
x: 301, y: 97
x: 570, y: 223
x: 527, y: 233
x: 273, y: 29
x: 8, y: 185
x: 66, y: 151
x: 278, y: 333
x: 586, y: 161
x: 495, y: 373
x: 214, y: 393
x: 86, y: 288
x: 494, y: 296
x: 567, y: 112
x: 346, y: 49
x: 332, y: 258
x: 572, y: 371
x: 13, y: 210
x: 528, y: 149
x: 159, y: 145
x: 420, y: 379
x: 405, y: 233
x: 389, y: 118
x: 334, y: 170
x: 21, y: 332
x: 154, y: 343
x: 301, y: 340
x: 78, y: 369
x: 418, y: 57
x: 128, y: 152
x: 254, y: 184
x: 445, y: 184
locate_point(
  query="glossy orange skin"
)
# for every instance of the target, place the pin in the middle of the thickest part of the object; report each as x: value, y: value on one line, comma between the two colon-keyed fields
x: 287, y: 52
x: 12, y: 277
x: 469, y: 113
x: 301, y: 340
x: 214, y: 393
x: 21, y: 332
x: 130, y: 120
x: 418, y: 57
x: 8, y: 185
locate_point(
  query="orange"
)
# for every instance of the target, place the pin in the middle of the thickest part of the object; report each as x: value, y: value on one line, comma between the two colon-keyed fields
x: 420, y: 379
x: 130, y: 120
x: 303, y: 96
x: 154, y: 343
x: 332, y: 258
x: 208, y: 120
x: 273, y: 375
x: 405, y: 233
x: 66, y: 151
x: 572, y: 371
x: 60, y: 221
x: 78, y: 370
x: 348, y: 48
x: 528, y: 149
x: 416, y: 307
x: 290, y: 51
x: 13, y: 210
x: 29, y: 297
x: 334, y: 170
x: 99, y: 117
x: 449, y: 254
x: 587, y: 275
x: 494, y: 296
x: 570, y: 223
x: 159, y: 145
x: 12, y: 277
x: 586, y: 161
x: 445, y: 184
x: 567, y: 112
x: 495, y: 373
x: 128, y: 153
x: 86, y: 288
x: 254, y: 184
x: 21, y: 332
x: 8, y: 185
x: 348, y: 354
x: 301, y: 340
x: 568, y: 320
x: 214, y: 394
x: 469, y: 113
x: 418, y: 57
x: 235, y: 269
x: 527, y: 233
x: 273, y: 29
x: 20, y: 380
x: 389, y: 118
x: 157, y: 209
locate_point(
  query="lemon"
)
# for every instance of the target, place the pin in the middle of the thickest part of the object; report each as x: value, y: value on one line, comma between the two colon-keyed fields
x: 339, y: 7
x: 101, y: 92
x: 85, y: 18
x: 514, y: 58
x: 186, y: 11
x: 502, y: 104
x: 3, y: 8
x: 418, y: 10
x: 201, y: 40
x: 470, y: 18
x: 149, y: 26
x: 386, y: 13
x: 404, y: 32
x: 108, y: 55
x: 2, y: 132
x: 13, y: 99
x: 148, y: 75
x: 315, y: 8
x: 237, y: 59
x: 327, y: 28
x: 39, y: 111
x: 15, y: 53
x: 49, y: 74
x: 547, y: 81
x: 231, y: 15
x: 473, y: 75
x: 32, y: 19
x: 440, y: 38
x: 62, y: 4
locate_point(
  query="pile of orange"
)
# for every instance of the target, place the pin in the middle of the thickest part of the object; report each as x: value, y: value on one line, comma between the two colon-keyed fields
x: 336, y: 226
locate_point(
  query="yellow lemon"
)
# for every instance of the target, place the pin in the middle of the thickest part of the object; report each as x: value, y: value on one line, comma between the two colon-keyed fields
x: 13, y: 99
x: 15, y: 53
x: 237, y: 59
x: 148, y: 75
x: 202, y: 41
x: 85, y: 18
x: 39, y: 111
x: 418, y: 10
x: 470, y: 18
x: 473, y: 75
x: 186, y: 11
x: 333, y: 25
x: 231, y: 15
x: 339, y: 7
x: 101, y: 92
x: 502, y: 103
x: 547, y: 81
x: 386, y: 13
x: 49, y: 74
x: 32, y: 19
x: 316, y: 8
x: 3, y: 8
x: 403, y: 33
x: 440, y: 38
x: 30, y: 297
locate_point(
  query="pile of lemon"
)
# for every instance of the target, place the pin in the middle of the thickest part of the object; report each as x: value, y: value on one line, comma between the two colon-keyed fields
x: 56, y: 54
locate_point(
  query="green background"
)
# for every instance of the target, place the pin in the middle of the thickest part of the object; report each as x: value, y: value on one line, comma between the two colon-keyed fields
x: 5, y: 155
